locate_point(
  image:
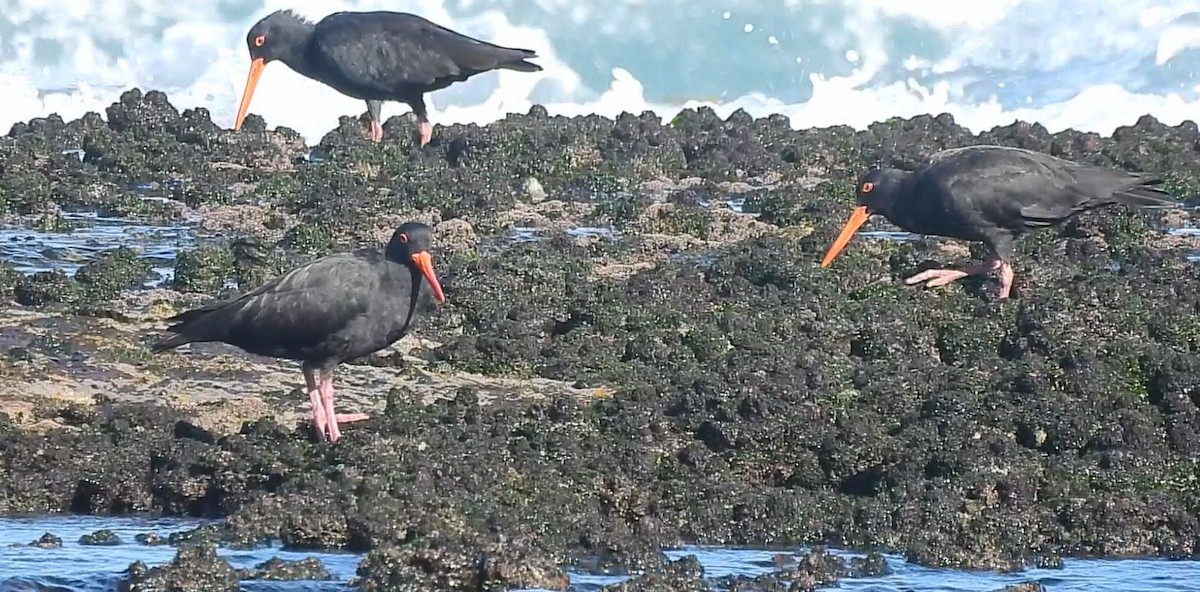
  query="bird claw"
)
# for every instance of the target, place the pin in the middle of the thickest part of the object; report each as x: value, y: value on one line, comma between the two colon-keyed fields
x: 937, y: 277
x: 934, y: 278
x: 376, y: 131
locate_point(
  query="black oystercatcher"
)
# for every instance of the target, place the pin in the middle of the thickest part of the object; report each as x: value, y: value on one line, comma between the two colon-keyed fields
x: 992, y: 194
x: 334, y: 309
x: 375, y: 56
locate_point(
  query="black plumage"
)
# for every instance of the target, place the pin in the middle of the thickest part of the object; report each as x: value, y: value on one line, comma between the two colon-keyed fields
x: 334, y: 309
x: 375, y: 56
x: 991, y: 194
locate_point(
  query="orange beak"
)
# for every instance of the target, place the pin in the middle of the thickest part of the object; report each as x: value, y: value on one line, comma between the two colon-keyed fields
x: 424, y: 262
x: 856, y: 220
x: 256, y: 70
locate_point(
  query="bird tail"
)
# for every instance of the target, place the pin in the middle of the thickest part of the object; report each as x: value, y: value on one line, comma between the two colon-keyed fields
x: 171, y: 342
x: 483, y: 56
x: 521, y: 65
x: 513, y: 58
x: 179, y: 326
x: 1146, y: 193
x: 187, y: 316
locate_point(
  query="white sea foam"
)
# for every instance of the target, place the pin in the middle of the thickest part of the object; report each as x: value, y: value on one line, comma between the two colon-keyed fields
x: 1092, y: 65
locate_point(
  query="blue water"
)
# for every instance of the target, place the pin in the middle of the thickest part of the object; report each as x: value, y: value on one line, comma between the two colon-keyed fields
x: 79, y: 568
x: 88, y: 236
x: 525, y: 234
x: 30, y: 250
x: 1187, y: 232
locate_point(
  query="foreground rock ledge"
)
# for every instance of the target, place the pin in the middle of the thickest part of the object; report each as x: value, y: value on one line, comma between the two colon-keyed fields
x: 694, y: 378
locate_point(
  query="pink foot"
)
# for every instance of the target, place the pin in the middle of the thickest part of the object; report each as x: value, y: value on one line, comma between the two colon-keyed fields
x: 940, y: 277
x: 426, y: 129
x: 937, y: 277
x: 349, y: 417
x: 376, y: 133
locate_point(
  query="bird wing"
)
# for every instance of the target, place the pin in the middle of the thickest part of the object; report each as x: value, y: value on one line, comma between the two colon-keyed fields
x: 303, y: 306
x: 391, y: 50
x: 1008, y: 187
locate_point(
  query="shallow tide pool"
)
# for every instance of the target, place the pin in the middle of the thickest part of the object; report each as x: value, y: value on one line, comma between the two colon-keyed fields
x: 30, y: 250
x: 80, y: 568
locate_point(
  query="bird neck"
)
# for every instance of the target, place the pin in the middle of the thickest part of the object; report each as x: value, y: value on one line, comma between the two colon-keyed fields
x: 295, y: 53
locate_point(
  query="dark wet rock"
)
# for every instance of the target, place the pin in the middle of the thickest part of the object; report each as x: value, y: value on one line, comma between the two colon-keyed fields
x: 255, y: 262
x: 787, y: 206
x: 309, y: 568
x: 150, y: 539
x: 205, y: 269
x: 816, y: 569
x: 47, y: 541
x: 434, y: 568
x: 46, y: 287
x: 106, y: 277
x: 9, y: 278
x: 194, y: 568
x: 872, y: 566
x: 100, y: 538
x: 684, y: 575
x: 762, y: 583
x: 751, y: 397
x: 201, y: 535
x: 456, y: 235
x: 148, y: 140
x: 1047, y: 561
x: 1024, y: 587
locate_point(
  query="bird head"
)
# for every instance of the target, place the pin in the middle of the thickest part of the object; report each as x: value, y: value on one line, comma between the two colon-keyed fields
x: 275, y: 37
x: 410, y: 246
x: 874, y: 194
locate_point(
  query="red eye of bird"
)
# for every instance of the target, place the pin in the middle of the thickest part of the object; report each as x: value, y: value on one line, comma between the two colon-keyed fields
x: 867, y: 187
x: 260, y: 40
x: 404, y: 238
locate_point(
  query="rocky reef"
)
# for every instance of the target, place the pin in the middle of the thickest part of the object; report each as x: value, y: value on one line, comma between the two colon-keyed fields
x: 682, y: 373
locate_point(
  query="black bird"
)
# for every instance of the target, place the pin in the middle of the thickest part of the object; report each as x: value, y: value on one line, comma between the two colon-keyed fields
x: 992, y: 194
x: 334, y: 309
x: 375, y: 56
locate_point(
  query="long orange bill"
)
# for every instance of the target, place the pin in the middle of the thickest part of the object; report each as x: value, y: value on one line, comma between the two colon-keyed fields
x: 256, y: 70
x: 424, y: 263
x: 856, y: 220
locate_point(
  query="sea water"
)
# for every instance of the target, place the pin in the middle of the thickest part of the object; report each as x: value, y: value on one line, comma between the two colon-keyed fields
x: 80, y: 568
x: 1091, y: 65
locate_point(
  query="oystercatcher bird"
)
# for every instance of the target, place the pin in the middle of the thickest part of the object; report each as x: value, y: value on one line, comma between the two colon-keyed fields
x: 334, y: 309
x: 991, y: 194
x: 375, y: 56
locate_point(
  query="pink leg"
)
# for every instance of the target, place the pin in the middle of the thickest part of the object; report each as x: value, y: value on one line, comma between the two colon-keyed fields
x: 940, y: 277
x: 426, y: 132
x: 376, y: 133
x: 326, y: 390
x: 314, y: 396
x: 1006, y: 279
